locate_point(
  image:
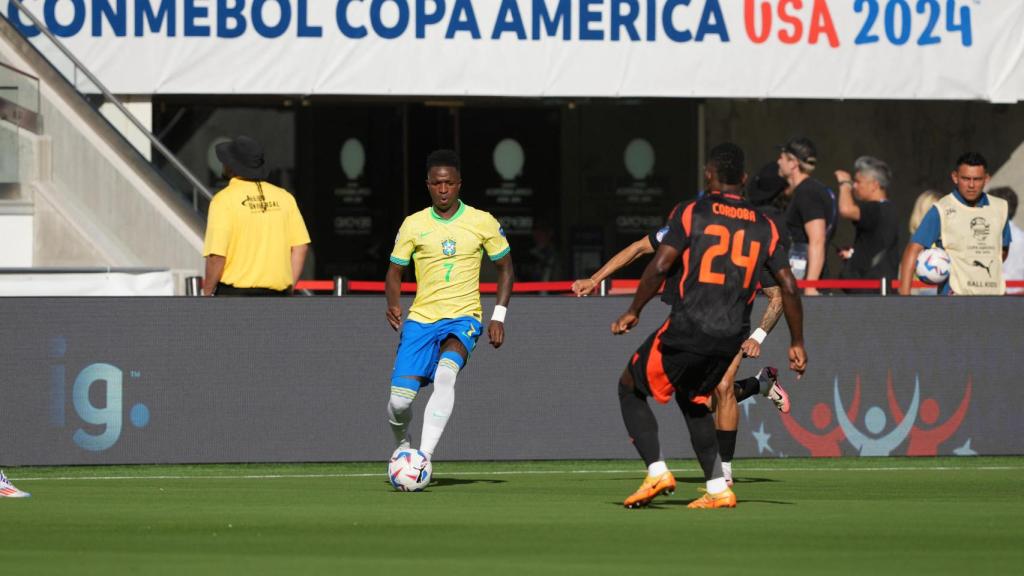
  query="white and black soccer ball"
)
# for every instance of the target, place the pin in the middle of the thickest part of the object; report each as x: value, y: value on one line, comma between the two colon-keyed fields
x: 409, y: 470
x: 933, y: 266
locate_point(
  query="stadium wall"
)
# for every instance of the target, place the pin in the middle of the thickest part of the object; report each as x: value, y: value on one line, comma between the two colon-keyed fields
x: 183, y: 380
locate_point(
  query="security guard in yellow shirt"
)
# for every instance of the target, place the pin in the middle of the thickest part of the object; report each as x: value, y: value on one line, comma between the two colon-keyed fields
x: 256, y: 240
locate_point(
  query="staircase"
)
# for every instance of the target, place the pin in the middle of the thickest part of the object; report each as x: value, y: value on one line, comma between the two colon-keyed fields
x: 74, y: 191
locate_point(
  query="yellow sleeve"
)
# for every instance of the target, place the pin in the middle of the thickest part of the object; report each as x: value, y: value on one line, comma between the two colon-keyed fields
x: 495, y: 242
x: 404, y: 244
x: 218, y: 229
x: 297, y: 232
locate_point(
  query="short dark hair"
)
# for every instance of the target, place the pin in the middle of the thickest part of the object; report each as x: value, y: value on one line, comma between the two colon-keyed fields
x: 444, y: 157
x: 727, y: 161
x: 971, y: 159
x: 1008, y: 194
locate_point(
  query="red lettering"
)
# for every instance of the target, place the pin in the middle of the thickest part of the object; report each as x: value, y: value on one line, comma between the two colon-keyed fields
x: 798, y: 26
x: 821, y: 22
x: 750, y: 16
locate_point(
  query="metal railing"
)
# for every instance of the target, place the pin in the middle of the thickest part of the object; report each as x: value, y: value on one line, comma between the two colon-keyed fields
x: 342, y: 286
x: 19, y: 98
x: 198, y: 189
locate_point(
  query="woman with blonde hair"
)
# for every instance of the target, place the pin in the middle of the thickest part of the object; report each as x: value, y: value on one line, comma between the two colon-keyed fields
x: 921, y: 205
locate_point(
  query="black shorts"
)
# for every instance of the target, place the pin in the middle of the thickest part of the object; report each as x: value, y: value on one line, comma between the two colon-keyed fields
x: 659, y: 371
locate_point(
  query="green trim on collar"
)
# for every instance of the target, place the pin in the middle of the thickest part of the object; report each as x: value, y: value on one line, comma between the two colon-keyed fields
x: 435, y: 216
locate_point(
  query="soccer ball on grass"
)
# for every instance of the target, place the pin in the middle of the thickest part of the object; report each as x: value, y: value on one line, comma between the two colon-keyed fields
x: 409, y: 470
x: 933, y: 266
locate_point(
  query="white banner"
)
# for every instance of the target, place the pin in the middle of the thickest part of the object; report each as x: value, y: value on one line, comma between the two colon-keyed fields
x: 115, y: 282
x: 873, y: 49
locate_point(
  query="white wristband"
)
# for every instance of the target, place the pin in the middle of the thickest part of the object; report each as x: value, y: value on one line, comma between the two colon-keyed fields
x: 499, y: 313
x: 758, y: 336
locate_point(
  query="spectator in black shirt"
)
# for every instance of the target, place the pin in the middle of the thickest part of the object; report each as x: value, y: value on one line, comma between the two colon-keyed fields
x: 864, y: 201
x: 811, y: 216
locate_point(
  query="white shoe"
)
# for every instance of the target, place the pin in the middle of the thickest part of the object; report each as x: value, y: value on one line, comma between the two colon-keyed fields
x: 8, y: 490
x: 770, y: 387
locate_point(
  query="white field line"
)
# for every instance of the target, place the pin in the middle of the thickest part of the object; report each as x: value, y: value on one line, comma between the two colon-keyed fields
x: 449, y: 473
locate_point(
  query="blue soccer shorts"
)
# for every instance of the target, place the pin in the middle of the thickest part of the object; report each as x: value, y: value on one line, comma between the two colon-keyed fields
x: 420, y: 348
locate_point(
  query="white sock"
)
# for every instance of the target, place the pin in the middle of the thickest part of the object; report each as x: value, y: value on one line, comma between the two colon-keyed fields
x: 657, y: 468
x: 439, y: 407
x: 727, y: 469
x: 400, y: 414
x: 716, y: 485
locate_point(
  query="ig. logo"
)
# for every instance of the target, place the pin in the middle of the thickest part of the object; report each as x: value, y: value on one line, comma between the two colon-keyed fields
x: 108, y: 413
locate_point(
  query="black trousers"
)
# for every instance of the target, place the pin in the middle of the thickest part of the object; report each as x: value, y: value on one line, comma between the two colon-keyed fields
x: 229, y: 290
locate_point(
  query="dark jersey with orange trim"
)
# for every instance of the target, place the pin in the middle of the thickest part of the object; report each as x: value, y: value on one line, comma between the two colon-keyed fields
x: 724, y: 243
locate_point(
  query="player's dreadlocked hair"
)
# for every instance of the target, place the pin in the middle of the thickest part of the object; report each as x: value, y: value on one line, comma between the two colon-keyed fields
x: 727, y: 161
x: 444, y: 157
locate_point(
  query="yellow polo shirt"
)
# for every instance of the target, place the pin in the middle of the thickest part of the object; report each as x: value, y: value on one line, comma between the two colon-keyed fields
x: 254, y: 228
x: 446, y: 255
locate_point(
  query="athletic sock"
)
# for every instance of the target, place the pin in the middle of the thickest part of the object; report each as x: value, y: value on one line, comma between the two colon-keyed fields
x: 746, y: 388
x: 657, y: 468
x: 400, y: 414
x: 726, y: 444
x: 704, y: 439
x: 439, y: 407
x: 641, y: 424
x: 716, y: 486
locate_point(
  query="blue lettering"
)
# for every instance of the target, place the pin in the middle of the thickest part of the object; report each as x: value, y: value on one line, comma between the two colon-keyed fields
x: 551, y: 22
x: 463, y: 20
x: 117, y: 17
x: 144, y: 14
x: 666, y: 20
x: 260, y: 25
x: 627, y: 20
x: 509, y: 20
x: 14, y: 16
x: 712, y: 11
x: 378, y: 24
x: 226, y: 15
x: 193, y: 13
x: 109, y: 416
x: 341, y: 15
x: 64, y: 30
x: 652, y: 19
x: 58, y: 347
x: 424, y: 18
x: 590, y: 16
x: 305, y: 30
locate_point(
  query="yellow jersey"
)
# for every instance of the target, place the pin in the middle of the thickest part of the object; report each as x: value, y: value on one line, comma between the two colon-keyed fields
x: 254, y: 228
x: 446, y: 255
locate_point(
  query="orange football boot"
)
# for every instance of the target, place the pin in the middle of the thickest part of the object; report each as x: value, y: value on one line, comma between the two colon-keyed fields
x: 724, y: 499
x: 664, y: 483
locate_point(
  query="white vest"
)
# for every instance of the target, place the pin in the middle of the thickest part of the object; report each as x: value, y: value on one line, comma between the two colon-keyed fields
x: 973, y: 237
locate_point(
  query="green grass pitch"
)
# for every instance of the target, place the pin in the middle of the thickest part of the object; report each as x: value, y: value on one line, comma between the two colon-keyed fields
x: 863, y: 516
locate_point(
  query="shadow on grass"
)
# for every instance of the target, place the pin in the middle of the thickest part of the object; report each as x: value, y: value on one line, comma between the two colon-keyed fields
x: 740, y: 480
x: 443, y: 482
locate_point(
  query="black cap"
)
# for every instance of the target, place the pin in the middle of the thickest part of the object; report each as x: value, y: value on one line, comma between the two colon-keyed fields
x: 244, y: 156
x: 766, y: 185
x: 803, y: 149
